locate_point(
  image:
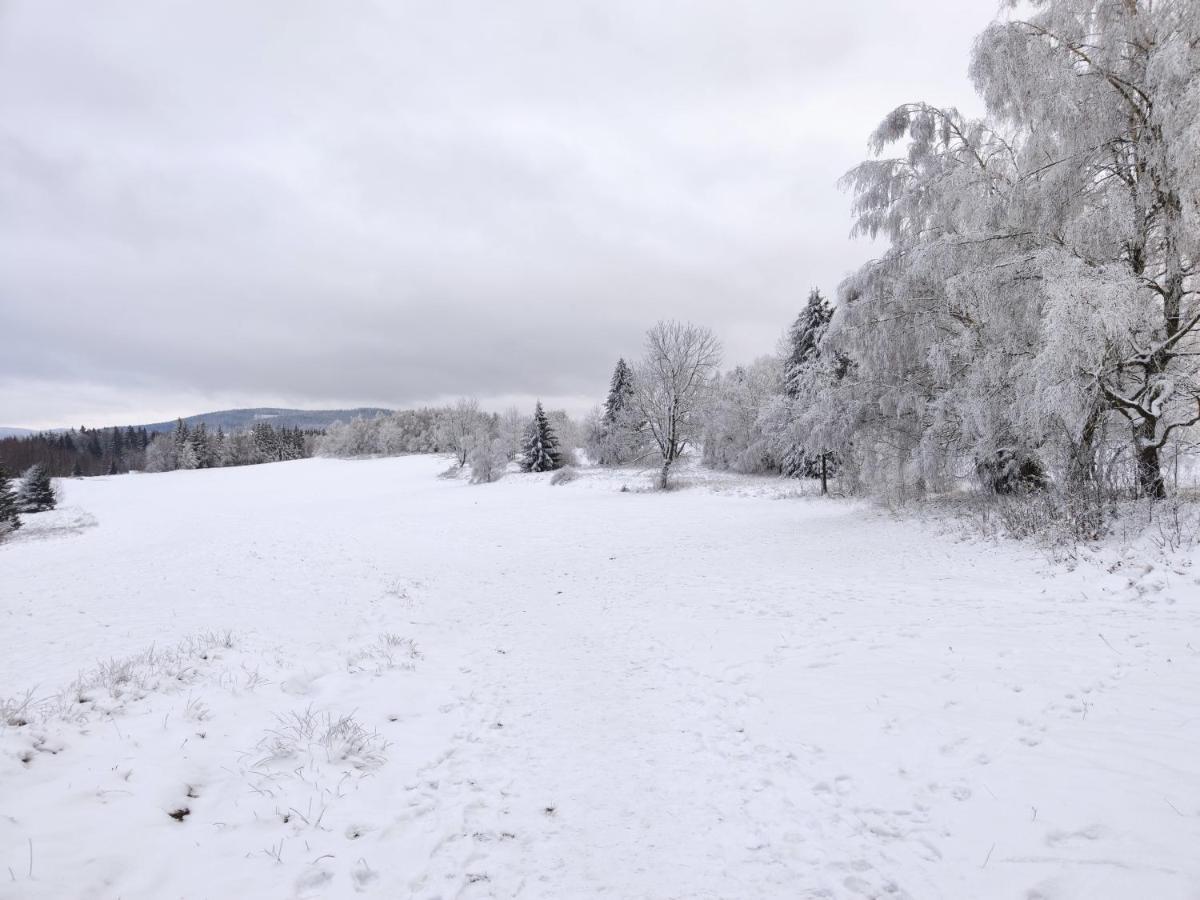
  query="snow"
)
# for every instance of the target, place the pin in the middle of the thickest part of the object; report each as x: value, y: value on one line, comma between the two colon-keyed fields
x: 368, y: 681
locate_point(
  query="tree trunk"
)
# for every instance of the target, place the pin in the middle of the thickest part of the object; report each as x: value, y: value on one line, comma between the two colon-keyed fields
x: 824, y: 475
x: 1081, y: 468
x: 664, y: 475
x: 1149, y: 468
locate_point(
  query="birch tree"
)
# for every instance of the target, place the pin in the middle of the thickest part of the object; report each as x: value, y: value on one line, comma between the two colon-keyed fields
x: 1107, y: 97
x: 1041, y: 272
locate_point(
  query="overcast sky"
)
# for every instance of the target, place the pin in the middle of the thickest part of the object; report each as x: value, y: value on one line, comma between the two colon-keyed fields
x: 216, y: 204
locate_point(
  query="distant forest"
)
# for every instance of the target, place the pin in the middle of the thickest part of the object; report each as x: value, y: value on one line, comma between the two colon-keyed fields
x: 112, y: 451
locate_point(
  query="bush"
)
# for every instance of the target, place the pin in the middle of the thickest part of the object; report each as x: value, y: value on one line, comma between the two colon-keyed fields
x: 564, y: 476
x: 1008, y: 472
x: 488, y: 461
x: 1056, y: 519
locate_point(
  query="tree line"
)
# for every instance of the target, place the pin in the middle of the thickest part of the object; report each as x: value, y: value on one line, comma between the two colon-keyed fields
x: 114, y: 451
x: 77, y: 453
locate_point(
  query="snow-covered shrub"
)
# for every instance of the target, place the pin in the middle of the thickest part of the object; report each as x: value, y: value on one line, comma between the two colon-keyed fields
x: 1050, y: 518
x: 1176, y: 526
x: 564, y: 476
x: 1008, y: 471
x: 488, y: 460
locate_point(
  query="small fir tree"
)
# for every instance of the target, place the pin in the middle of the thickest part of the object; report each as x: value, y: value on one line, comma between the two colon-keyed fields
x: 540, y: 453
x: 37, y: 493
x: 9, y: 519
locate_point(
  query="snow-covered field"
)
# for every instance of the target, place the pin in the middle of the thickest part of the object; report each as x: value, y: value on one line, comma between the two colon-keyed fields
x: 334, y: 679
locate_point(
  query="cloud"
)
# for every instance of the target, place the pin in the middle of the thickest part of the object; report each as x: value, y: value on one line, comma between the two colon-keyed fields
x: 389, y: 203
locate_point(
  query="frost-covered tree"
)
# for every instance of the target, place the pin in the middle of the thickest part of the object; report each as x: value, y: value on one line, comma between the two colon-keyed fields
x: 161, y: 454
x: 620, y: 392
x: 671, y: 385
x: 511, y: 430
x: 803, y: 337
x: 186, y: 458
x: 540, y: 452
x: 1040, y: 278
x: 37, y: 491
x: 568, y: 433
x: 1106, y: 98
x: 10, y: 519
x: 488, y: 461
x: 459, y: 428
x: 615, y: 435
x: 734, y: 436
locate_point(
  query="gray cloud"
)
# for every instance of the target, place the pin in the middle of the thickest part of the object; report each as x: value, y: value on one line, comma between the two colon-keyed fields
x: 322, y: 203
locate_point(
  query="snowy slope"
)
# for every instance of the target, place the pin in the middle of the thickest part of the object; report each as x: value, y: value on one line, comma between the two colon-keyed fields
x: 370, y: 682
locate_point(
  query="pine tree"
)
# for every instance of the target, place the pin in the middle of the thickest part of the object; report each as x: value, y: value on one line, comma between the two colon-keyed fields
x: 37, y: 493
x: 541, y: 453
x: 9, y: 518
x: 77, y: 471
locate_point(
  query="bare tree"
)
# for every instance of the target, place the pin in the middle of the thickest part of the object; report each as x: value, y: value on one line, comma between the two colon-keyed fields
x: 512, y: 428
x: 672, y: 383
x: 461, y: 427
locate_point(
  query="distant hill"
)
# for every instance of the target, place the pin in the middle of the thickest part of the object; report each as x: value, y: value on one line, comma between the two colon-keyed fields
x: 6, y: 431
x: 231, y: 419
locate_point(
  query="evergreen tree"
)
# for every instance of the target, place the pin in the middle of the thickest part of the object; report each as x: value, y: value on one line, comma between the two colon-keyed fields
x: 9, y: 518
x: 803, y: 338
x: 77, y: 471
x: 540, y: 453
x: 616, y: 435
x: 202, y: 446
x: 620, y: 393
x: 804, y: 360
x: 37, y: 493
x: 186, y: 457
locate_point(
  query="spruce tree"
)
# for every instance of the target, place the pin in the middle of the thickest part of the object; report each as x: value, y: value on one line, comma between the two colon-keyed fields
x: 804, y: 357
x: 804, y: 337
x: 37, y: 493
x: 540, y: 453
x: 9, y: 518
x: 620, y: 392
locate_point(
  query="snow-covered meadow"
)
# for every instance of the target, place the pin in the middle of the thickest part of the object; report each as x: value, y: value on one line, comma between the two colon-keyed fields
x: 340, y: 678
